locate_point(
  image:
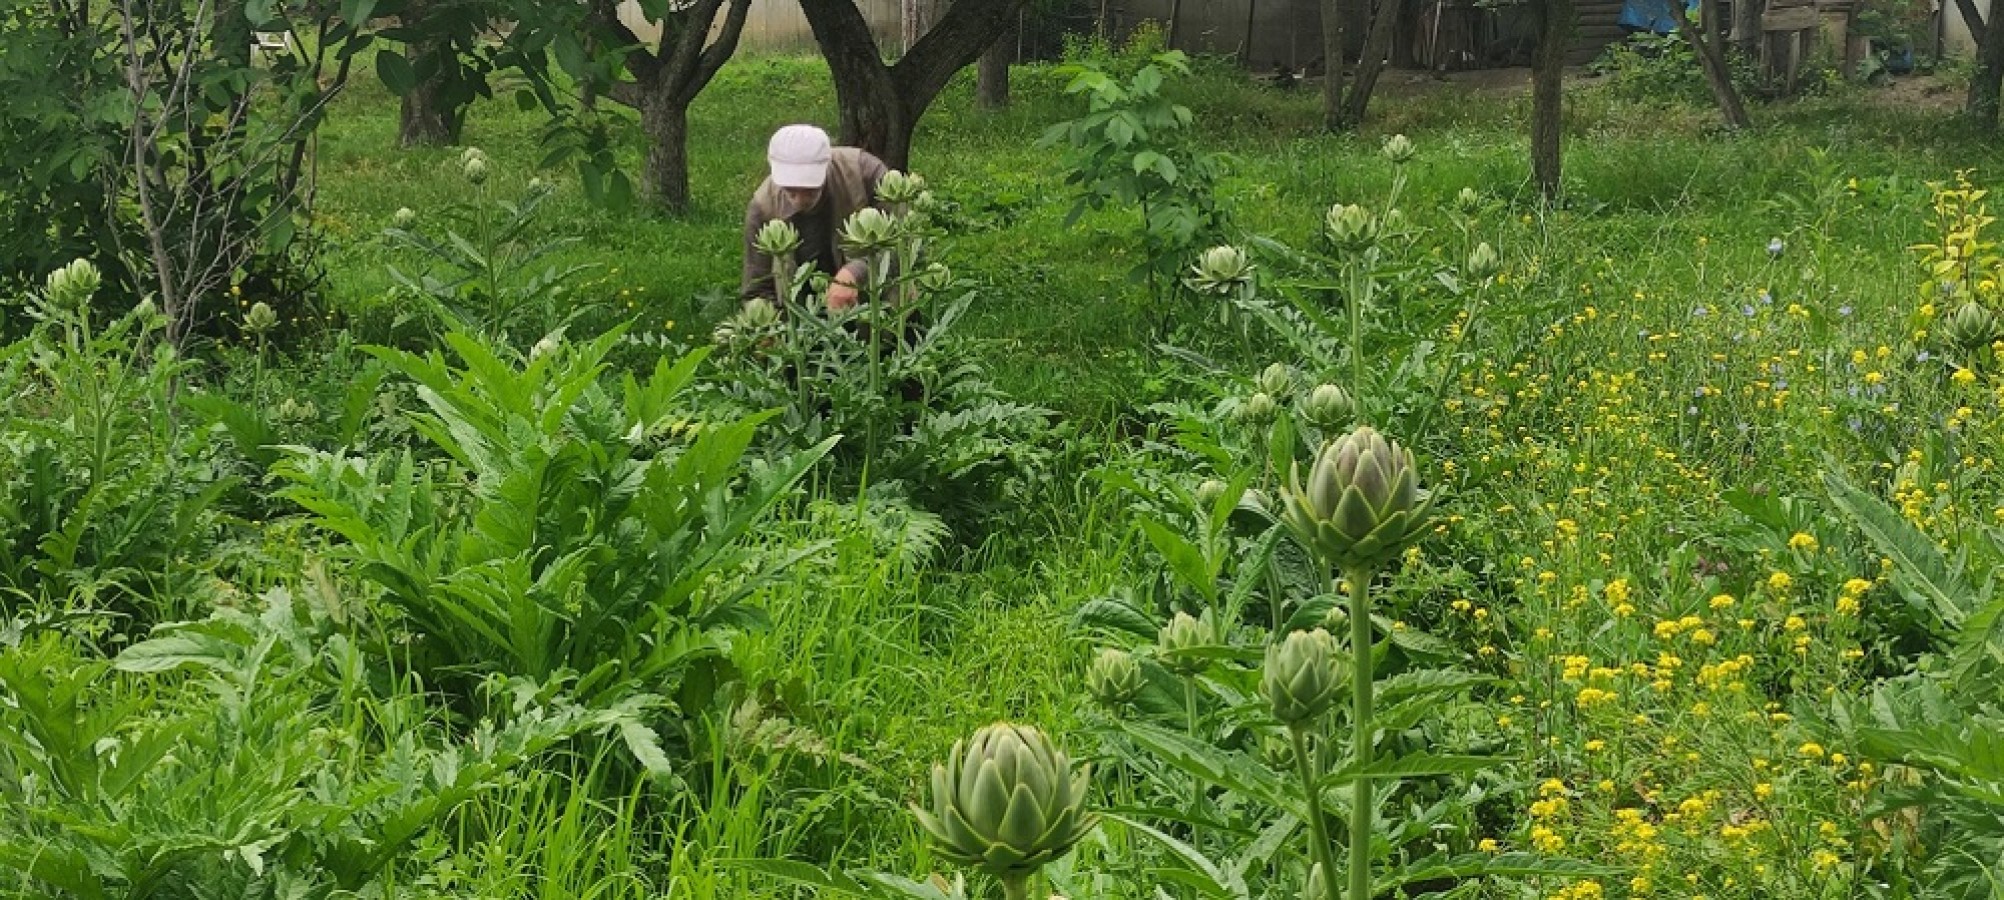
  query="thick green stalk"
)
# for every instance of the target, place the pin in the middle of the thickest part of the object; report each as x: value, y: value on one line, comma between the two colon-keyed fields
x: 1360, y: 282
x: 1318, y: 830
x: 1360, y: 730
x: 1190, y: 712
x: 1016, y: 887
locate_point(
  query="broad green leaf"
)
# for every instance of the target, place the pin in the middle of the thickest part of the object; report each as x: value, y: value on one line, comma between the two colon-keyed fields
x: 1919, y: 571
x: 1208, y: 877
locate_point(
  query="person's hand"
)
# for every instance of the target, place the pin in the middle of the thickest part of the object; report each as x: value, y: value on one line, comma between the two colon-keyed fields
x: 842, y: 291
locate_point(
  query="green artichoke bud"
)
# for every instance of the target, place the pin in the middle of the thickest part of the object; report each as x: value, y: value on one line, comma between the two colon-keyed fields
x: 72, y: 286
x: 777, y: 238
x: 403, y: 218
x: 1468, y: 202
x: 1209, y: 493
x: 1970, y: 326
x: 1399, y: 149
x: 1219, y: 270
x: 1318, y: 884
x: 1276, y: 379
x: 148, y: 314
x: 538, y: 186
x: 1006, y: 802
x: 935, y: 279
x: 1483, y: 261
x: 1277, y: 752
x: 1183, y: 635
x: 869, y: 230
x: 291, y: 410
x: 1259, y: 408
x: 544, y: 346
x: 1328, y: 407
x: 1351, y: 227
x: 1361, y: 503
x: 1115, y: 677
x: 1300, y: 679
x: 900, y: 188
x: 474, y: 166
x: 1393, y: 224
x: 261, y: 318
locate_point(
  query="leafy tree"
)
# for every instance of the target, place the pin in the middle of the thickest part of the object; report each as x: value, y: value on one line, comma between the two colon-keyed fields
x: 667, y: 78
x: 881, y: 103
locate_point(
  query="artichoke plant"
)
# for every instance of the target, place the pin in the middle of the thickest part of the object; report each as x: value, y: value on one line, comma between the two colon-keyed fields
x: 1361, y: 503
x: 1971, y: 326
x: 1300, y: 679
x: 1115, y: 677
x: 1398, y: 149
x: 1179, y: 640
x: 1351, y: 227
x: 1007, y: 802
x: 1220, y: 270
x: 1328, y: 407
x: 1483, y: 261
x: 72, y: 286
x: 869, y: 230
x: 261, y: 318
x: 900, y: 189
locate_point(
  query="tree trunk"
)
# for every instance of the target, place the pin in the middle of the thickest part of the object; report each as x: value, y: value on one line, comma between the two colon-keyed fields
x: 1332, y: 64
x: 1555, y: 20
x: 426, y: 120
x: 1378, y: 43
x: 881, y: 105
x: 1175, y: 18
x: 665, y: 119
x: 1987, y: 82
x: 991, y: 82
x: 1245, y: 49
x: 1712, y: 61
x: 1102, y: 25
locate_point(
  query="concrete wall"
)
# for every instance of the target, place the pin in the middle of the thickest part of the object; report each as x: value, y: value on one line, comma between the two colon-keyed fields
x: 1955, y: 37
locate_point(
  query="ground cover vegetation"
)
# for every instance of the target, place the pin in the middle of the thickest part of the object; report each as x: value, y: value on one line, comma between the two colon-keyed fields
x: 1206, y: 506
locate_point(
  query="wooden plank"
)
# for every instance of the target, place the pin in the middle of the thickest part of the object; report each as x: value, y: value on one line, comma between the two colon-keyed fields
x: 1793, y: 19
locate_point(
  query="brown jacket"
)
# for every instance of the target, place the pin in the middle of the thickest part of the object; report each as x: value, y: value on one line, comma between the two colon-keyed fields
x: 852, y: 185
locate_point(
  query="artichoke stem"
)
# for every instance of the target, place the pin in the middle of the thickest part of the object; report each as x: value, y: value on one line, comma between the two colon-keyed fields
x: 1016, y: 887
x: 1190, y: 710
x: 1360, y: 730
x: 1318, y: 830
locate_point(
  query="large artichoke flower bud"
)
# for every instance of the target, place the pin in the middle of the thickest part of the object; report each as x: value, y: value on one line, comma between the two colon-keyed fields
x: 1006, y: 802
x: 1180, y: 640
x: 1276, y: 379
x: 473, y: 164
x: 869, y: 230
x: 1483, y: 261
x: 261, y: 318
x: 1115, y: 677
x: 1328, y: 407
x: 1351, y: 227
x: 777, y: 238
x: 1398, y: 149
x: 1220, y: 269
x: 1299, y: 679
x: 72, y: 286
x: 1259, y: 408
x: 1468, y: 202
x: 1361, y: 503
x: 1971, y: 326
x: 900, y: 189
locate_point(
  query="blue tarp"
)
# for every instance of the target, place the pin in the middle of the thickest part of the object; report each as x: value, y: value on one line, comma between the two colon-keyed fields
x: 1656, y: 16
